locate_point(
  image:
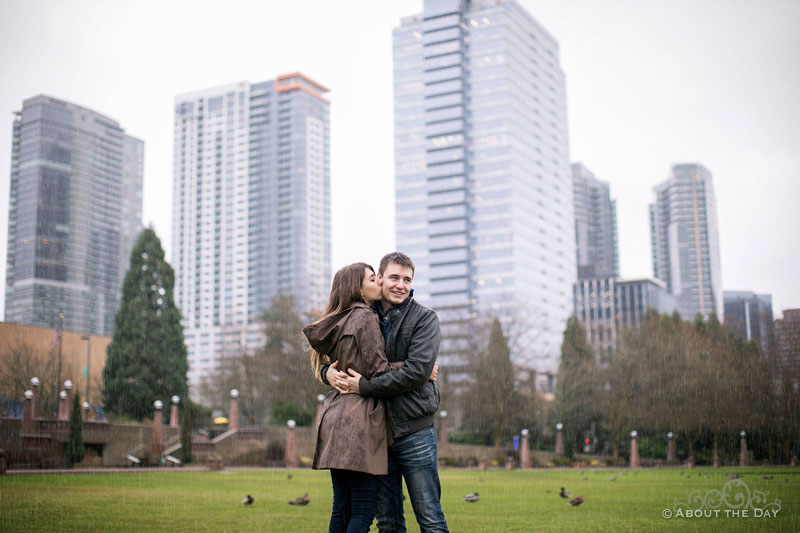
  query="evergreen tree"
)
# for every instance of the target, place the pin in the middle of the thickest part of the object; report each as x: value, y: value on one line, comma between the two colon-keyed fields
x: 578, y: 390
x: 186, y: 431
x: 488, y: 408
x: 75, y: 438
x: 290, y: 385
x: 147, y: 356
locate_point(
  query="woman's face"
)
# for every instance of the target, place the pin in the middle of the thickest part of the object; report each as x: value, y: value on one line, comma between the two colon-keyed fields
x: 369, y: 287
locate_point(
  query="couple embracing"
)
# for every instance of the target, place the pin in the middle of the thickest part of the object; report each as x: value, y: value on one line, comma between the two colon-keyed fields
x: 376, y: 347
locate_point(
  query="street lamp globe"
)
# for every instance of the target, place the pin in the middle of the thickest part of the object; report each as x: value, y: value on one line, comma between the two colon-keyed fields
x: 291, y: 423
x: 176, y: 399
x: 320, y: 398
x: 29, y: 394
x: 524, y: 432
x: 670, y: 435
x: 34, y: 382
x: 158, y: 404
x: 443, y: 413
x: 62, y: 395
x: 68, y: 384
x: 633, y: 434
x: 234, y: 393
x: 559, y: 426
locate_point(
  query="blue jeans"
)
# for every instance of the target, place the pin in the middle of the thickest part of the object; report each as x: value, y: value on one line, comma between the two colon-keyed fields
x: 413, y: 457
x: 354, y: 496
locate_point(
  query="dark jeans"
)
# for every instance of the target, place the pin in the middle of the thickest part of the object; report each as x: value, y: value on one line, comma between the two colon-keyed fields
x: 413, y: 457
x: 354, y: 496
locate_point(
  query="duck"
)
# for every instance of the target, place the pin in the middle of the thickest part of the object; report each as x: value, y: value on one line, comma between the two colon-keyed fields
x: 564, y: 493
x: 472, y: 498
x: 577, y: 500
x: 302, y: 500
x: 247, y: 500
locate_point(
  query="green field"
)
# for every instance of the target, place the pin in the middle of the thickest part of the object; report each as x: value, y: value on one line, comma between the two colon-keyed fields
x: 509, y: 500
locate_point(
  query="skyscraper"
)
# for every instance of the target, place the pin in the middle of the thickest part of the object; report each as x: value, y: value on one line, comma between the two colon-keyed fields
x: 750, y: 315
x: 482, y: 176
x: 595, y: 225
x: 251, y: 210
x: 685, y: 240
x: 787, y: 341
x: 75, y: 212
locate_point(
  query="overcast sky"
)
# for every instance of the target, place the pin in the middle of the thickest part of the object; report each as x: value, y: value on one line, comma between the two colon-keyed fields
x: 649, y: 84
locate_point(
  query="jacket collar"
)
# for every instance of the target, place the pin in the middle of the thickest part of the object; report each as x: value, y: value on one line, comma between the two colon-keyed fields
x: 400, y: 308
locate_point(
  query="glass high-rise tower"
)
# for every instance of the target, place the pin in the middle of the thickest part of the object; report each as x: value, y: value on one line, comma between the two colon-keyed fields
x: 595, y: 226
x: 482, y: 178
x: 251, y: 210
x: 685, y: 240
x: 75, y: 212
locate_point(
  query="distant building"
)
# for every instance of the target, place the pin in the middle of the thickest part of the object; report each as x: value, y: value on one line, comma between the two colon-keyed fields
x: 787, y: 345
x: 685, y: 240
x: 482, y: 173
x: 595, y: 225
x: 75, y: 211
x: 40, y: 349
x: 606, y: 307
x: 251, y: 210
x: 750, y: 315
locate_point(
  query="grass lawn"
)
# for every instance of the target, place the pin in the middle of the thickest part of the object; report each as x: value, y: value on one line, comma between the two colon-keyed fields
x: 509, y: 500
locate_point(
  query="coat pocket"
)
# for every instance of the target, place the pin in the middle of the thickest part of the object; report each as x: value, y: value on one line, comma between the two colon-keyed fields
x: 376, y: 413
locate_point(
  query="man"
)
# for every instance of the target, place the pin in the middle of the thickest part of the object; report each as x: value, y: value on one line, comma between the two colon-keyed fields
x: 411, y: 331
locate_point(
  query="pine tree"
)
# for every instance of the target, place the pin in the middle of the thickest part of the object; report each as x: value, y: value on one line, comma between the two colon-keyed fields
x: 147, y: 356
x: 488, y: 408
x: 186, y: 431
x: 292, y: 388
x: 578, y: 390
x: 75, y: 438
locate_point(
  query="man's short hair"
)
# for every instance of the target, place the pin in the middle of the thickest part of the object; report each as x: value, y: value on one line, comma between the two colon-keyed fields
x: 398, y: 258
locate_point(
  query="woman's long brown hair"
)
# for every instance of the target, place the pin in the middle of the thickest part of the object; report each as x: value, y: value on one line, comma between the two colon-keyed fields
x: 345, y: 290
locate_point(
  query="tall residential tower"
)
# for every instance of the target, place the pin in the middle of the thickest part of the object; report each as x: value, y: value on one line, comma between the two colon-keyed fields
x: 482, y: 176
x: 595, y: 226
x: 75, y: 212
x: 685, y: 240
x: 251, y: 210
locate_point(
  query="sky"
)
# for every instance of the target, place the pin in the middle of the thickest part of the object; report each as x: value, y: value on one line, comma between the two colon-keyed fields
x: 650, y: 83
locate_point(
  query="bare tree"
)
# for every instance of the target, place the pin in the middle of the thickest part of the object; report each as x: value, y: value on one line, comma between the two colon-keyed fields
x: 19, y: 363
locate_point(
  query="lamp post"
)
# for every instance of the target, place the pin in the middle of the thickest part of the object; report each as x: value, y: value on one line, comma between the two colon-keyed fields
x: 173, y: 415
x: 742, y: 448
x: 35, y: 400
x: 443, y: 427
x: 634, y: 450
x: 88, y: 340
x: 525, y: 453
x: 27, y: 415
x: 157, y: 435
x: 59, y: 333
x: 233, y: 416
x: 318, y: 414
x: 291, y: 454
x: 559, y: 439
x: 671, y: 448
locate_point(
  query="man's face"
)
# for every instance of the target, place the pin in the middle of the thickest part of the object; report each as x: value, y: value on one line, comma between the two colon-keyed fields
x: 395, y: 283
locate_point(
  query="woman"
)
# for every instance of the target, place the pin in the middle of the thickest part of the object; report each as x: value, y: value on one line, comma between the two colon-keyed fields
x: 352, y: 438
